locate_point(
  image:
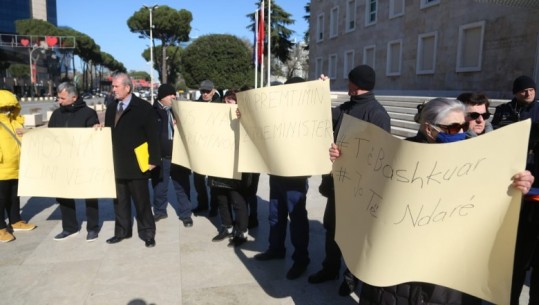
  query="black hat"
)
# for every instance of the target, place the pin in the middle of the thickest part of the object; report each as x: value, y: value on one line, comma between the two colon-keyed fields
x: 164, y: 91
x: 523, y: 82
x: 363, y: 77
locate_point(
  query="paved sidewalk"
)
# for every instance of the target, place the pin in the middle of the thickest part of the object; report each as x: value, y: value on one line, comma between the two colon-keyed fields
x: 185, y: 267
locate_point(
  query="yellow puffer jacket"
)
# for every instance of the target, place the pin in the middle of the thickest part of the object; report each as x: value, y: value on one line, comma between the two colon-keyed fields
x: 10, y: 150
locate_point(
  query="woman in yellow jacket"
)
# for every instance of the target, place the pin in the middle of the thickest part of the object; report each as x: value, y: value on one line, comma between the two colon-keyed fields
x: 10, y: 151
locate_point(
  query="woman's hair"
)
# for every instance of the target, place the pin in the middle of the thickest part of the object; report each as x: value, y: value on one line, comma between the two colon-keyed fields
x: 474, y: 99
x: 434, y: 110
x: 230, y: 94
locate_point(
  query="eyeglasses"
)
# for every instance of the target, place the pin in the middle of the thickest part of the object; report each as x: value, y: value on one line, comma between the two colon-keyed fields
x: 205, y: 91
x: 476, y: 115
x: 453, y: 128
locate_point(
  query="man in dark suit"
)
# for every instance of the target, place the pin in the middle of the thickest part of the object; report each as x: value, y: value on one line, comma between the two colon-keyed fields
x: 133, y: 123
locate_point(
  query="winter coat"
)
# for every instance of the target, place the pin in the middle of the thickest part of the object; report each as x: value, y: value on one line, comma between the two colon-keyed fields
x: 138, y: 124
x: 74, y: 115
x: 10, y: 151
x: 162, y: 130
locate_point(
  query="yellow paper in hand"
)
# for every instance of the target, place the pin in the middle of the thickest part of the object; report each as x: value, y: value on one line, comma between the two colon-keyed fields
x: 143, y: 157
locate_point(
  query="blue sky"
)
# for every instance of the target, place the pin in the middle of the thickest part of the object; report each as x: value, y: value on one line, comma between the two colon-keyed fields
x: 106, y: 22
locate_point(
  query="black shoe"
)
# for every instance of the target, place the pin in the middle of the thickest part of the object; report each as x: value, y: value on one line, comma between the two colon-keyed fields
x: 199, y: 210
x: 224, y: 233
x: 92, y: 235
x: 158, y: 217
x: 296, y: 270
x: 213, y: 213
x: 150, y: 243
x: 253, y: 223
x: 188, y: 222
x: 323, y: 276
x: 349, y: 284
x: 65, y: 235
x: 115, y: 239
x: 266, y: 256
x: 237, y: 241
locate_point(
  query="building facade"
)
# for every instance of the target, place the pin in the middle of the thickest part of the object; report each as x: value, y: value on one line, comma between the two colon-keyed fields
x: 425, y: 47
x: 13, y: 10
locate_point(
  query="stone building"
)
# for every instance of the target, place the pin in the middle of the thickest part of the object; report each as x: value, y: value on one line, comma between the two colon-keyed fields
x: 426, y: 47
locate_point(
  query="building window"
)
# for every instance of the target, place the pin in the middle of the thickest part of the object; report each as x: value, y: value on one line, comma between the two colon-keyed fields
x: 348, y: 63
x: 396, y: 8
x: 318, y: 68
x: 320, y: 28
x: 369, y: 57
x: 470, y: 47
x: 350, y: 15
x: 370, y: 11
x: 426, y: 53
x: 334, y: 22
x: 394, y: 56
x: 428, y: 3
x: 332, y: 66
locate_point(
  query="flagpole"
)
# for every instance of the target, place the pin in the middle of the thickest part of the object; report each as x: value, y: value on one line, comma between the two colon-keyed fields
x: 262, y: 53
x: 256, y: 48
x: 269, y: 42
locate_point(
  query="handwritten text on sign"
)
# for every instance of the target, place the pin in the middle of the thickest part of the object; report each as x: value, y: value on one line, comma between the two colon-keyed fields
x: 405, y: 209
x: 67, y: 163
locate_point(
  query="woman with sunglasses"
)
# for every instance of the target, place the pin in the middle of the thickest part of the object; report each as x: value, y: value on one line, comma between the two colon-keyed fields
x: 477, y: 114
x: 441, y: 121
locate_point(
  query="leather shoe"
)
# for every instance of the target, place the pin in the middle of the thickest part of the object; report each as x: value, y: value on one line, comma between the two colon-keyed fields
x: 321, y: 276
x: 187, y: 222
x: 266, y: 256
x: 116, y: 239
x: 158, y: 217
x: 150, y: 242
x: 296, y: 270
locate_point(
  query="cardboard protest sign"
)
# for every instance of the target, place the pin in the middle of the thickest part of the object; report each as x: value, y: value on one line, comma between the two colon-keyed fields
x: 286, y: 130
x: 437, y: 213
x: 67, y: 163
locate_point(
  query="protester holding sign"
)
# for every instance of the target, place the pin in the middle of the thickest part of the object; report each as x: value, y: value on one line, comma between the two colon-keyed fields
x: 10, y: 150
x: 441, y: 121
x: 524, y: 105
x: 364, y: 106
x: 73, y: 112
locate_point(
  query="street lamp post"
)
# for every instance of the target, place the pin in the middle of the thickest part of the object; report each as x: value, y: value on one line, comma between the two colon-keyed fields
x: 33, y: 67
x: 151, y: 8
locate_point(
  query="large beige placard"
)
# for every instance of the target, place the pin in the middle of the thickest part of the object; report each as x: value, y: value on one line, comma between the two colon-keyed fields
x: 67, y: 163
x: 205, y: 140
x: 286, y: 130
x: 436, y: 213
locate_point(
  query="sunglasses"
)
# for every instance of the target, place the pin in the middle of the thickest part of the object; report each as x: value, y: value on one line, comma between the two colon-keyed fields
x: 453, y: 128
x: 476, y: 115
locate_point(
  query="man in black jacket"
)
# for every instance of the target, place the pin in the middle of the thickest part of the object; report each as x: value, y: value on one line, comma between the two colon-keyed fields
x: 73, y: 112
x: 364, y: 106
x: 132, y: 122
x: 161, y: 175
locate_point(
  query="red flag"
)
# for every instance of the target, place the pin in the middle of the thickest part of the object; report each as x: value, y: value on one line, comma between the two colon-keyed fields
x: 261, y: 34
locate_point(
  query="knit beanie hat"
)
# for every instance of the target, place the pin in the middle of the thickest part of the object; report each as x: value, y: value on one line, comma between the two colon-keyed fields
x: 363, y: 77
x: 523, y: 82
x: 164, y: 91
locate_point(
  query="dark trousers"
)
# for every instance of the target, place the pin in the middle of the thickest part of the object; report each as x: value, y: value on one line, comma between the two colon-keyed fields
x: 332, y: 261
x: 139, y: 191
x: 180, y: 182
x: 69, y: 215
x: 227, y: 198
x: 288, y: 197
x: 527, y: 253
x: 202, y: 192
x: 9, y: 202
x: 250, y: 196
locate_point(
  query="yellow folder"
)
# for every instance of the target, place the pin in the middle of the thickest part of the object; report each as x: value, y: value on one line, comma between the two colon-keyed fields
x: 143, y: 157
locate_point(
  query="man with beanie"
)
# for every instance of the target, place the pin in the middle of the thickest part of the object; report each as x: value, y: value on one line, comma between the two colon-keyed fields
x: 288, y: 198
x: 208, y: 94
x: 364, y: 106
x: 524, y: 106
x: 73, y: 113
x: 166, y: 94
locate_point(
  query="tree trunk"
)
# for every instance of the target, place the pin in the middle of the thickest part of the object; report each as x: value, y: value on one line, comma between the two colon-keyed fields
x: 164, y: 75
